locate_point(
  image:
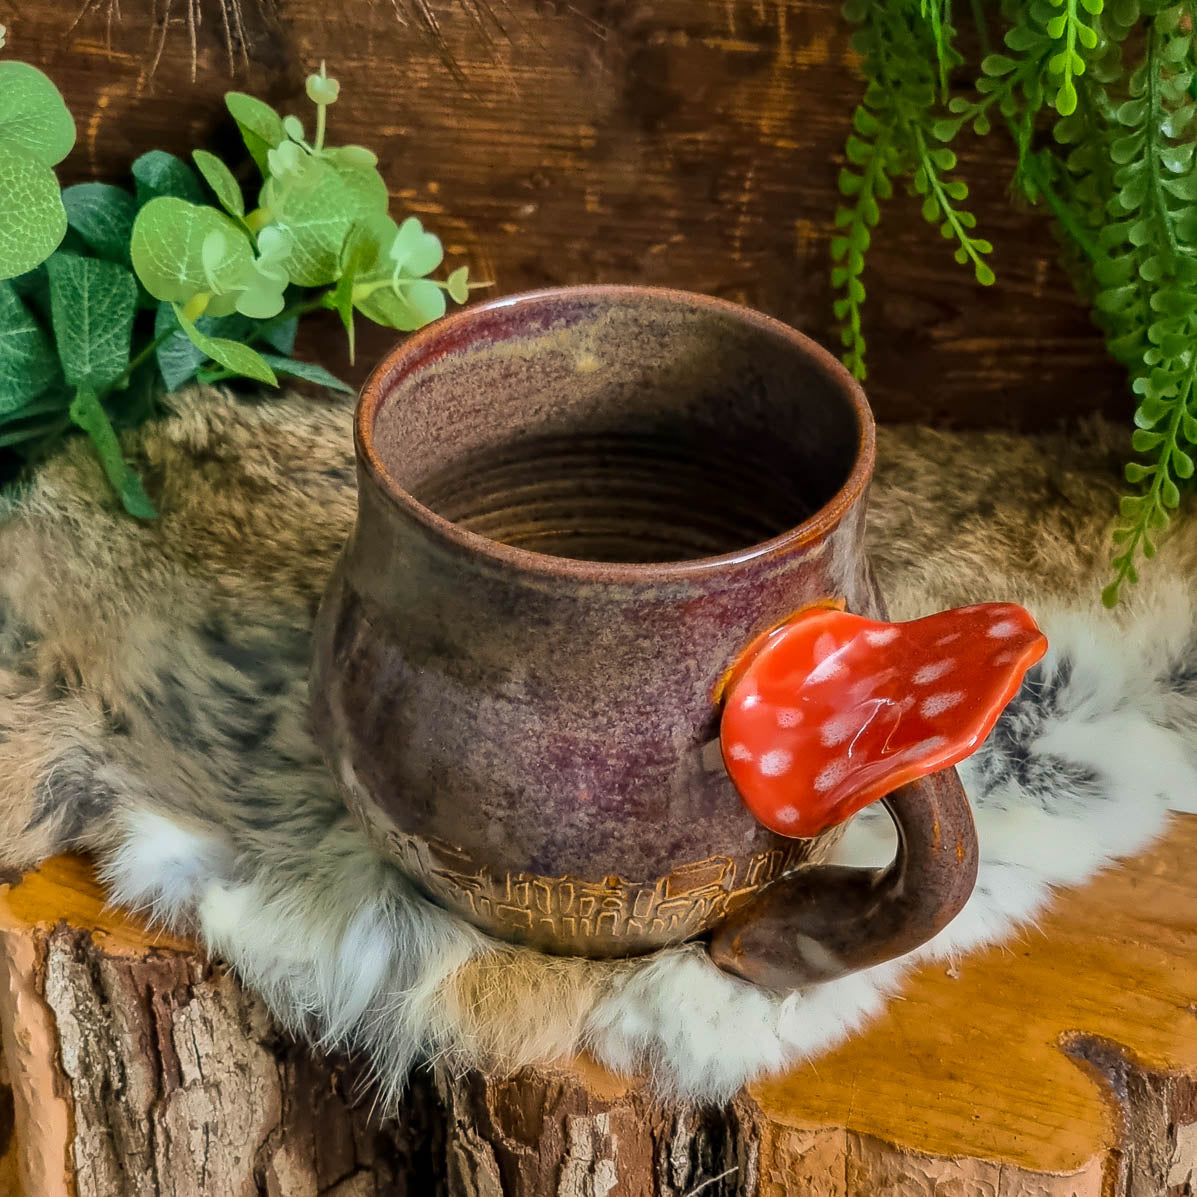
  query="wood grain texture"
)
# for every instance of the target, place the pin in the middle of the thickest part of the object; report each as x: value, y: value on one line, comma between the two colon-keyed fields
x: 1063, y: 1064
x: 693, y: 143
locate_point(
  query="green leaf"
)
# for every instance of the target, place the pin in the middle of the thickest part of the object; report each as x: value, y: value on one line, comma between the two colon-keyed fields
x: 1144, y: 441
x: 232, y: 355
x: 365, y: 187
x: 457, y: 286
x: 1125, y: 149
x: 179, y: 359
x: 261, y: 127
x: 316, y: 210
x: 1169, y: 492
x: 220, y: 179
x: 34, y: 119
x: 103, y: 216
x: 308, y: 371
x: 281, y: 335
x: 857, y: 152
x: 92, y: 303
x: 28, y: 364
x: 1176, y: 49
x: 168, y: 242
x: 419, y: 302
x: 997, y: 65
x: 1182, y: 463
x: 88, y: 414
x: 1183, y: 188
x: 158, y: 173
x: 34, y: 219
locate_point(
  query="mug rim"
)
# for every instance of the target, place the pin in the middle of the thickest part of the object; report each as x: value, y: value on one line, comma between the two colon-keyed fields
x: 376, y: 388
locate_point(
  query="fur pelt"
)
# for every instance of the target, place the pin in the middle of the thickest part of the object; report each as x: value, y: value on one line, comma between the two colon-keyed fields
x: 152, y: 701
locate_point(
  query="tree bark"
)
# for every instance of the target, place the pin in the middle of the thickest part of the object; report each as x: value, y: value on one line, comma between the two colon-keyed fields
x: 139, y: 1068
x: 179, y: 1083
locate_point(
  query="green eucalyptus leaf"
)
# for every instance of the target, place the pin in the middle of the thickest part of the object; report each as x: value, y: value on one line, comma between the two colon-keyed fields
x: 366, y: 188
x: 232, y: 355
x: 34, y: 119
x: 316, y: 211
x: 93, y: 303
x: 158, y: 173
x: 28, y: 364
x: 308, y: 371
x: 103, y: 216
x: 1182, y: 463
x: 220, y: 179
x: 34, y: 220
x: 168, y: 249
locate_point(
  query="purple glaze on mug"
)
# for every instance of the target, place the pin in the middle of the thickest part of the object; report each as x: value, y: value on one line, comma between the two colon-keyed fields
x: 576, y: 508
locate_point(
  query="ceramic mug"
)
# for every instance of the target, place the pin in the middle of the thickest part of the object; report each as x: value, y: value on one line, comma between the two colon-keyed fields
x: 576, y: 507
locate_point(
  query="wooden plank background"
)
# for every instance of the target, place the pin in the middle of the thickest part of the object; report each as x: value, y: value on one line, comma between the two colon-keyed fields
x: 693, y: 143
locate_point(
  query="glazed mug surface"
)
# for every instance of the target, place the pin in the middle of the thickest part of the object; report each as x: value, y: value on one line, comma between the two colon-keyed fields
x: 576, y: 508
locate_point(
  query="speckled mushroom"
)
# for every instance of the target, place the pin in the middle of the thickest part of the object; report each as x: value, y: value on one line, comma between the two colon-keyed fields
x: 831, y: 711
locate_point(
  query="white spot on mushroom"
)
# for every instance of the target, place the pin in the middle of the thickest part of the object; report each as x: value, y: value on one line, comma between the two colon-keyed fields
x: 740, y: 752
x: 926, y: 747
x: 838, y: 728
x: 1006, y: 658
x: 786, y: 814
x: 776, y: 762
x: 830, y: 774
x: 933, y: 672
x: 947, y: 639
x: 1003, y: 629
x: 788, y: 717
x: 867, y: 687
x: 879, y: 636
x: 750, y: 700
x: 827, y: 668
x: 938, y: 703
x: 824, y: 647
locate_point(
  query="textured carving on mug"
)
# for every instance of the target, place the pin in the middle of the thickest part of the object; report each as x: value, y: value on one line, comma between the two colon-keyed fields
x: 690, y: 900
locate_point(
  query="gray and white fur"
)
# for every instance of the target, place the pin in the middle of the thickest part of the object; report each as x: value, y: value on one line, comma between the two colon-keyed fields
x: 152, y: 698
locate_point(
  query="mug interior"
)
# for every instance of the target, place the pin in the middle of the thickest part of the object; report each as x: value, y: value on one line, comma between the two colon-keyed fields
x: 618, y: 425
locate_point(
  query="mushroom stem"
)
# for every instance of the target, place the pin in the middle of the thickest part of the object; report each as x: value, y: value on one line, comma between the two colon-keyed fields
x: 826, y: 921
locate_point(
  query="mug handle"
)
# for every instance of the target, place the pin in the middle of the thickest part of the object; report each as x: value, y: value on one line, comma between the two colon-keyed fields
x: 825, y: 921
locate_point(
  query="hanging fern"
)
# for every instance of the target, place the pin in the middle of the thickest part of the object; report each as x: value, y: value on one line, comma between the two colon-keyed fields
x: 1106, y: 149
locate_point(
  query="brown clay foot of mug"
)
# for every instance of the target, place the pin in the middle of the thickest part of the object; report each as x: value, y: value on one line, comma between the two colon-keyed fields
x: 826, y: 921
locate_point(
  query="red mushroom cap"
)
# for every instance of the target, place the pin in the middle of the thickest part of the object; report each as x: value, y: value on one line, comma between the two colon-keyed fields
x: 831, y: 711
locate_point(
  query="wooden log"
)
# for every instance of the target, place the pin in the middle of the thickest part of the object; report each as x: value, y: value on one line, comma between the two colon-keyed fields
x: 691, y: 143
x: 1062, y: 1064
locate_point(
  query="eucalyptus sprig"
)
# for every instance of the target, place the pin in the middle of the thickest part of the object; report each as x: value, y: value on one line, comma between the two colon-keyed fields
x: 109, y: 296
x: 1097, y: 97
